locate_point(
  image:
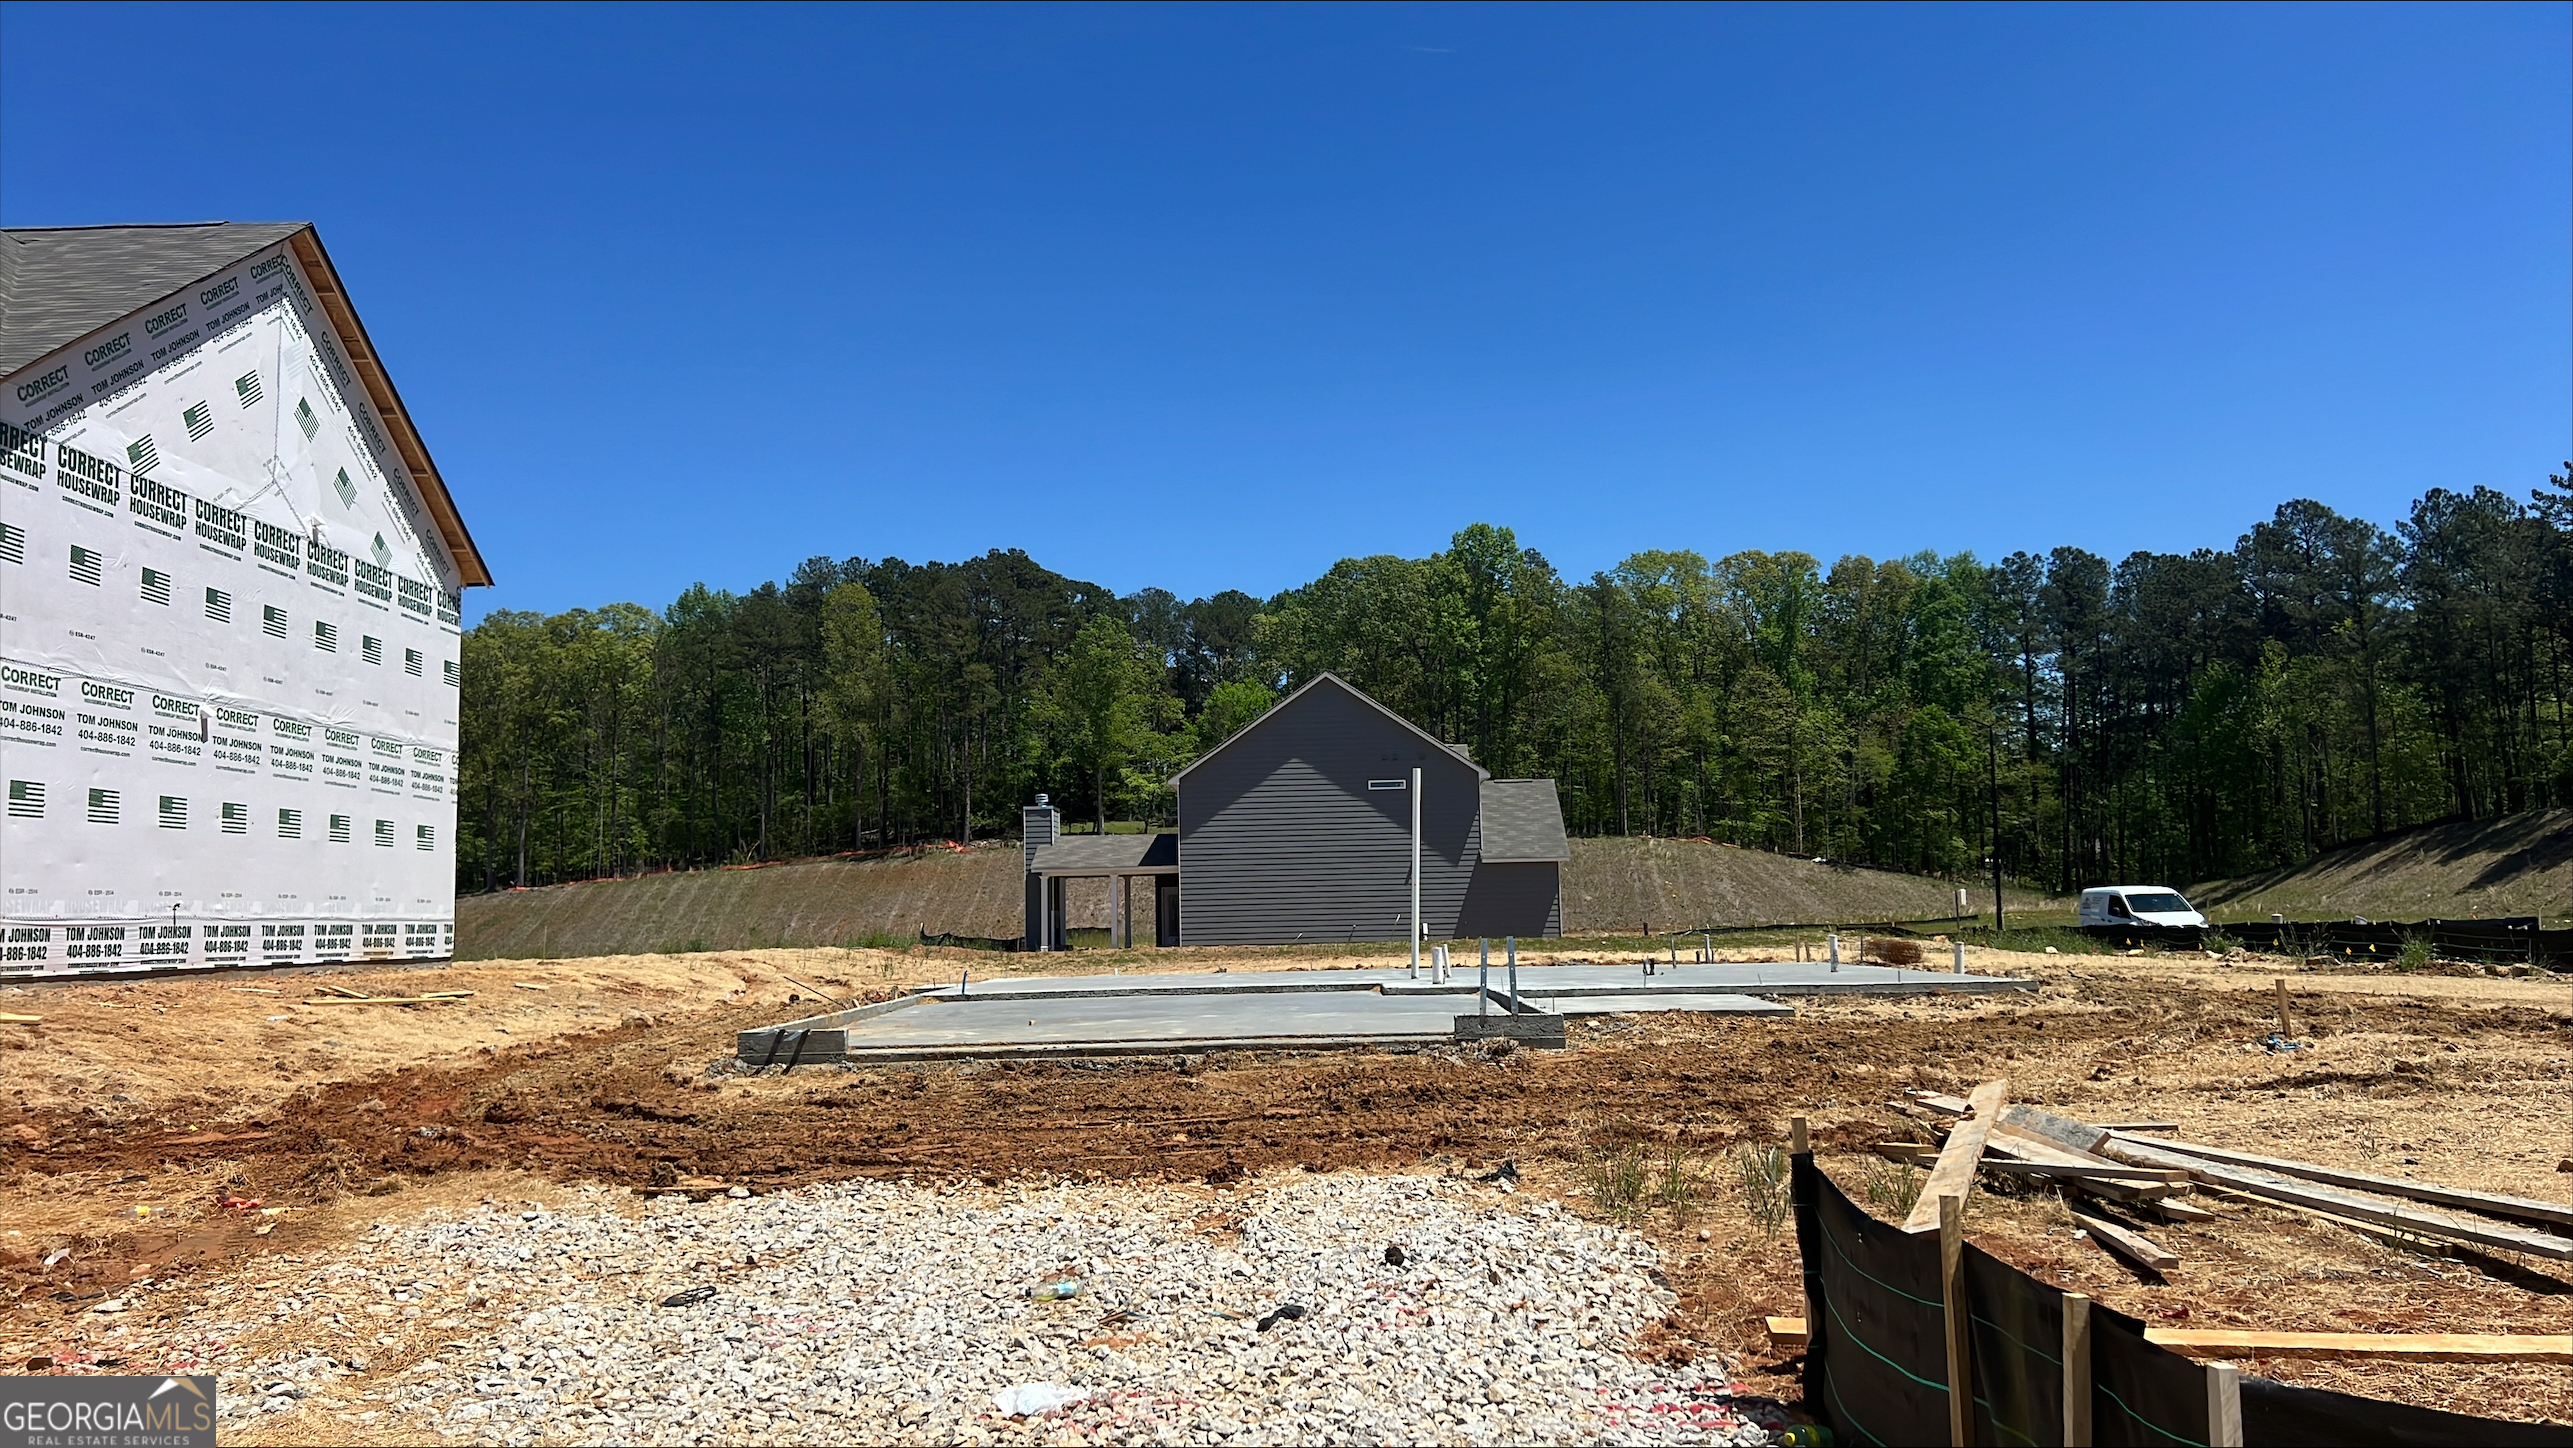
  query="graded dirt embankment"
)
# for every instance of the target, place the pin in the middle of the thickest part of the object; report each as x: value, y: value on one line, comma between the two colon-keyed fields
x: 2518, y: 865
x: 1610, y: 885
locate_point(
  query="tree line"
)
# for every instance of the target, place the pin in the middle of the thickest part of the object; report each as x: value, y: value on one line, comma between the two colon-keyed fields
x: 2172, y: 717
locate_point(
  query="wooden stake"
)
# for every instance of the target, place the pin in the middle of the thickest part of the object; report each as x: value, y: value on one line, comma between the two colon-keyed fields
x: 2224, y: 1406
x: 1799, y: 1136
x: 2077, y: 1370
x: 2286, y: 1023
x: 1953, y: 1295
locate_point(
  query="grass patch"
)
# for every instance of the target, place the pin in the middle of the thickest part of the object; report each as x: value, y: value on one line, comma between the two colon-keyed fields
x: 1890, y: 1187
x: 1618, y: 1180
x: 2417, y: 951
x: 1762, y: 1170
x: 2035, y: 940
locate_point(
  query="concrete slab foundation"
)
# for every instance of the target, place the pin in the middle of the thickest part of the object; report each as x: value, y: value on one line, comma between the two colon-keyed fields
x: 1167, y: 1014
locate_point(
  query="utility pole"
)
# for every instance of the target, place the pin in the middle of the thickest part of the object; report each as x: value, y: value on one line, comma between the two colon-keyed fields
x: 1416, y: 872
x: 1993, y: 740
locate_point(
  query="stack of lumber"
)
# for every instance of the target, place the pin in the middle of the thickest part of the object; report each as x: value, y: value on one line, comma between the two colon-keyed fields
x: 2143, y: 1175
x: 333, y: 995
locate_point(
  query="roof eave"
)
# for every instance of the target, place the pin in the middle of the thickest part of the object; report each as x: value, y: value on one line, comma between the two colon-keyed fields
x: 380, y: 390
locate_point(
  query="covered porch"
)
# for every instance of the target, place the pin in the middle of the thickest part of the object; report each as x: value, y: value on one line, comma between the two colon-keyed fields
x: 1119, y: 860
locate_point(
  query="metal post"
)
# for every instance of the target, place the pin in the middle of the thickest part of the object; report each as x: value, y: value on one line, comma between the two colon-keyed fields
x: 2077, y: 1370
x: 1416, y: 872
x: 1960, y: 946
x: 1995, y: 741
x: 1483, y: 980
x: 2224, y: 1406
x: 1952, y: 1296
x: 1834, y: 938
x: 1511, y: 944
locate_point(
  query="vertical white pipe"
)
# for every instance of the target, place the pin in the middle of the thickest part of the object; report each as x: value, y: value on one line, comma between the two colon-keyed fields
x: 1416, y: 872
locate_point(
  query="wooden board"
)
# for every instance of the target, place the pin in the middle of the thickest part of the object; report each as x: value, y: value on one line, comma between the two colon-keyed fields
x: 1954, y: 1175
x: 2064, y: 1131
x: 1787, y: 1334
x: 2176, y: 1211
x: 2321, y: 1198
x: 2428, y: 1347
x: 2524, y: 1209
x: 2134, y: 1246
x: 2157, y: 1176
x: 2010, y: 1141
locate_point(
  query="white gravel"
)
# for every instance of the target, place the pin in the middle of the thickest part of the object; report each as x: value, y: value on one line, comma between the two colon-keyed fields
x: 870, y: 1312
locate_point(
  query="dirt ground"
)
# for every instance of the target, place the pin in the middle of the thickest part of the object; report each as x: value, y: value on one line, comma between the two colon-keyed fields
x: 170, y: 1095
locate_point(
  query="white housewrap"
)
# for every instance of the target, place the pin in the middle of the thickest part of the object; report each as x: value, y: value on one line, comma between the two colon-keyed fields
x: 229, y: 644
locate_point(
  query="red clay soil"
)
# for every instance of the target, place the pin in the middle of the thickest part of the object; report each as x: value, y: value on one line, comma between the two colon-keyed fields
x: 2468, y: 1085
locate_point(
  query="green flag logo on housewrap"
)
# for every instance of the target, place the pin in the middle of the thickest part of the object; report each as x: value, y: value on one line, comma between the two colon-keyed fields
x: 383, y: 554
x: 305, y: 419
x: 347, y: 490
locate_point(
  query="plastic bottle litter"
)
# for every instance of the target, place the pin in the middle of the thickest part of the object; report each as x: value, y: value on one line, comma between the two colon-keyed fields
x: 1808, y: 1435
x: 1026, y: 1400
x: 1055, y: 1291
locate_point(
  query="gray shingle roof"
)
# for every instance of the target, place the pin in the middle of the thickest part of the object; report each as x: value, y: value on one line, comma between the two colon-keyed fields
x: 1079, y: 854
x: 58, y: 284
x: 1522, y: 822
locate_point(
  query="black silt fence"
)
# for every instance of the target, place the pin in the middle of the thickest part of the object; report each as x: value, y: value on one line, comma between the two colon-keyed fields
x: 1876, y: 1364
x: 2505, y: 941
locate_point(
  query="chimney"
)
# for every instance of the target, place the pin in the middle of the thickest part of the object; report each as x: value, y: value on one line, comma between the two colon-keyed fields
x: 1040, y: 825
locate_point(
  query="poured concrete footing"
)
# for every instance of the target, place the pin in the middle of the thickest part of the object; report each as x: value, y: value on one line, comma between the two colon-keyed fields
x: 1529, y: 1028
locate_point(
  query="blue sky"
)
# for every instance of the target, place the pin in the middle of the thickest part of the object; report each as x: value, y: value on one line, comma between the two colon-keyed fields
x: 1209, y: 298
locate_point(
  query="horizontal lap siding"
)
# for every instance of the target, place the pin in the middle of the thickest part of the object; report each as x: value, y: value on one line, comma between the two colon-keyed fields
x: 1281, y: 840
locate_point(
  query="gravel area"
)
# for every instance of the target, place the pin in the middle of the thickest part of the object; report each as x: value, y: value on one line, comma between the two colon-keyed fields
x: 869, y: 1312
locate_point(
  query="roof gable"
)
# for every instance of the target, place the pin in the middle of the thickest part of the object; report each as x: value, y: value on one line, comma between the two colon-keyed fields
x: 60, y: 284
x: 1344, y: 686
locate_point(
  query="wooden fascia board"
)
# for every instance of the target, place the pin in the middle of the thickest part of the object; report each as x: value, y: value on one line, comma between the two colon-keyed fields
x: 388, y: 405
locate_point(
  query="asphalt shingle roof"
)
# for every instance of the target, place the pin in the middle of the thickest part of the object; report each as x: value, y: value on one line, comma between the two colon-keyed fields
x: 1074, y: 854
x: 58, y: 284
x: 1522, y: 822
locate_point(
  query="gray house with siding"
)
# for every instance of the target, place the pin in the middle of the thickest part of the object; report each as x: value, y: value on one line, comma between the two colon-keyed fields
x: 1299, y: 828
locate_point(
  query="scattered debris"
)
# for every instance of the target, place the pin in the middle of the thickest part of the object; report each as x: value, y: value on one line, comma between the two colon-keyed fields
x: 1287, y: 1312
x: 1394, y: 1254
x: 1026, y: 1400
x: 689, y: 1297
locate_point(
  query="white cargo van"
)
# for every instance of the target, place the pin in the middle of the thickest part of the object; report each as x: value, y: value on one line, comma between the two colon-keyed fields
x: 2138, y: 905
